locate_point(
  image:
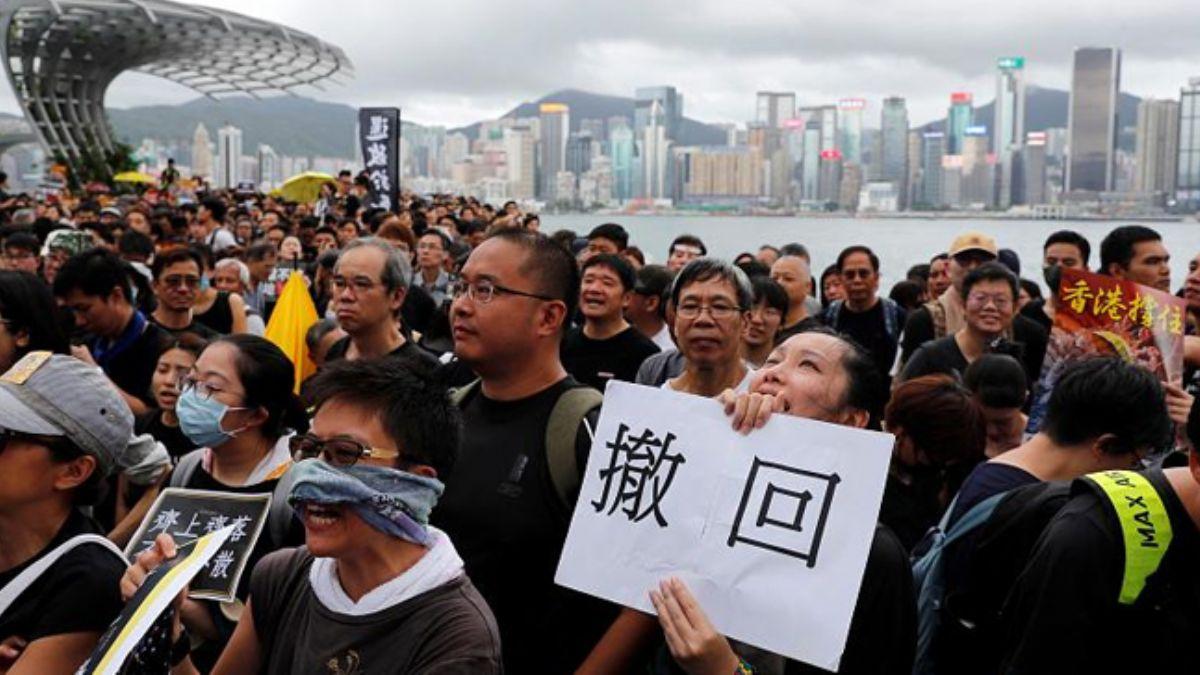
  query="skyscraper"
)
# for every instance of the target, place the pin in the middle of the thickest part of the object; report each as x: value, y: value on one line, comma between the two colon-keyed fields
x: 977, y: 176
x: 1008, y: 130
x: 932, y: 151
x: 773, y: 108
x: 894, y: 145
x: 229, y: 156
x: 1187, y: 186
x: 620, y: 148
x: 850, y: 114
x: 959, y: 117
x: 1092, y: 119
x: 521, y: 161
x: 269, y: 174
x: 1157, y: 146
x: 202, y: 154
x: 580, y: 146
x: 671, y: 117
x: 1033, y: 169
x: 655, y: 154
x: 556, y: 125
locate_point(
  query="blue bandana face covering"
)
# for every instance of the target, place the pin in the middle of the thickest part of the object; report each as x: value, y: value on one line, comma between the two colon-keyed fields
x: 394, y: 502
x: 200, y: 419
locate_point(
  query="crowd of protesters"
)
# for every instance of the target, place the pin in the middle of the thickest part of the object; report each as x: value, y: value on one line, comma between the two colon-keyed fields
x: 461, y: 357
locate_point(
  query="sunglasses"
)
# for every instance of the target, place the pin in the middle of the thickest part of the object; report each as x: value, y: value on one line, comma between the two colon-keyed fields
x: 338, y: 451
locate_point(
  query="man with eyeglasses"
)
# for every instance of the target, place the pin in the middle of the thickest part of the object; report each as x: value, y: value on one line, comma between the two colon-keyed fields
x: 21, y: 252
x: 527, y: 431
x: 871, y: 321
x: 990, y: 297
x: 177, y: 287
x: 711, y: 299
x: 432, y: 250
x: 370, y: 281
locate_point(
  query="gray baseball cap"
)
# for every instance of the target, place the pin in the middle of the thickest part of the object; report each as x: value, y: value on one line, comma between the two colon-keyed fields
x: 55, y: 395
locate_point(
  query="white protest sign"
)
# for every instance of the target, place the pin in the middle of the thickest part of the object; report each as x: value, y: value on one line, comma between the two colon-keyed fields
x: 770, y: 531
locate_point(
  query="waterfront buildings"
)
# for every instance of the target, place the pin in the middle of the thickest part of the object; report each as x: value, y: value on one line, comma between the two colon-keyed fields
x: 1092, y: 119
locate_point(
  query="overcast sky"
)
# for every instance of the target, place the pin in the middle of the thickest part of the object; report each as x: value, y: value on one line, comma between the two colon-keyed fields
x: 454, y: 62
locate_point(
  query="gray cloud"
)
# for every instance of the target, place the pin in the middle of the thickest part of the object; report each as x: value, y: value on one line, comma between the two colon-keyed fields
x: 456, y: 61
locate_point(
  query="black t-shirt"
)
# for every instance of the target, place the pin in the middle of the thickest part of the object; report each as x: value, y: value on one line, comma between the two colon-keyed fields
x: 80, y: 593
x: 132, y: 369
x: 1034, y: 312
x: 941, y: 356
x: 502, y: 512
x: 907, y: 510
x: 195, y: 328
x: 219, y: 316
x: 989, y: 478
x: 1063, y: 616
x: 176, y: 442
x: 409, y: 350
x: 417, y: 309
x: 883, y: 628
x: 1027, y: 335
x: 869, y: 330
x: 595, y: 362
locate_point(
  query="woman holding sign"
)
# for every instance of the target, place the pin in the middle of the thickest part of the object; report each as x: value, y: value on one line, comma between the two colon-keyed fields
x: 238, y: 406
x: 376, y: 589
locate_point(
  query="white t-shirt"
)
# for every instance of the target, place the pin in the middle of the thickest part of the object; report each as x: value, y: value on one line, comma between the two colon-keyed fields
x: 663, y: 339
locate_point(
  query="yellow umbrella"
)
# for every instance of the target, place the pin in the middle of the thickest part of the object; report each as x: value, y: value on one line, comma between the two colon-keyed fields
x: 135, y: 177
x: 305, y: 187
x: 293, y: 315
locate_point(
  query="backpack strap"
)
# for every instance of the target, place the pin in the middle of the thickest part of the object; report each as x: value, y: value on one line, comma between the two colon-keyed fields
x: 1145, y: 526
x: 561, y: 430
x: 13, y: 589
x: 186, y: 468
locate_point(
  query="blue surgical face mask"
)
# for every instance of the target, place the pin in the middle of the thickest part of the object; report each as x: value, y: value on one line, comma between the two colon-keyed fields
x: 200, y: 419
x: 204, y: 283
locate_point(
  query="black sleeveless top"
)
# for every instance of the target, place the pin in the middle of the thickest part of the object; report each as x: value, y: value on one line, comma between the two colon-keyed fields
x: 219, y: 317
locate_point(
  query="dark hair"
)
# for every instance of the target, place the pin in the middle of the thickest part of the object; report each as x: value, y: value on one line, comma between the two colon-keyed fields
x: 612, y: 232
x: 134, y: 243
x: 655, y: 280
x: 907, y: 294
x: 1072, y: 238
x: 753, y: 268
x: 831, y: 271
x: 26, y: 304
x: 615, y: 263
x: 769, y: 291
x: 990, y: 271
x: 943, y: 420
x: 1010, y: 259
x: 851, y: 250
x: 552, y: 269
x: 795, y: 249
x: 1106, y: 395
x: 413, y: 408
x: 1117, y: 247
x: 446, y: 243
x: 939, y: 256
x: 267, y: 376
x: 174, y: 257
x: 688, y: 240
x: 768, y: 247
x: 318, y: 331
x: 1031, y: 287
x: 864, y: 383
x: 216, y: 207
x: 997, y: 380
x: 258, y: 252
x: 918, y: 272
x: 635, y: 253
x: 185, y: 341
x: 94, y: 272
x: 23, y: 241
x: 707, y: 269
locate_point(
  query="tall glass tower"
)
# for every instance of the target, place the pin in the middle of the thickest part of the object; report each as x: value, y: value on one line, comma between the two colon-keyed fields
x: 1092, y: 119
x: 958, y: 119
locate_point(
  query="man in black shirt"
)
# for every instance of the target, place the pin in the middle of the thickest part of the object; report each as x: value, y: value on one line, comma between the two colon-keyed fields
x: 65, y: 429
x: 96, y: 286
x: 873, y: 322
x: 176, y: 286
x: 606, y: 347
x: 370, y: 281
x: 502, y: 506
x: 1104, y: 414
x: 1100, y: 594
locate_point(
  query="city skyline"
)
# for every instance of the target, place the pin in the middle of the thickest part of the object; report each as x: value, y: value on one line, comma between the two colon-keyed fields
x: 720, y: 56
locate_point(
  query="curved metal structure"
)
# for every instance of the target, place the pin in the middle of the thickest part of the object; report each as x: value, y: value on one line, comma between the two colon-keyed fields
x: 61, y: 56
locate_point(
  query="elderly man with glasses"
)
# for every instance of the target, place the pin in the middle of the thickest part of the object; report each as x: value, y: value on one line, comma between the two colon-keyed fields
x: 873, y: 322
x: 712, y: 299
